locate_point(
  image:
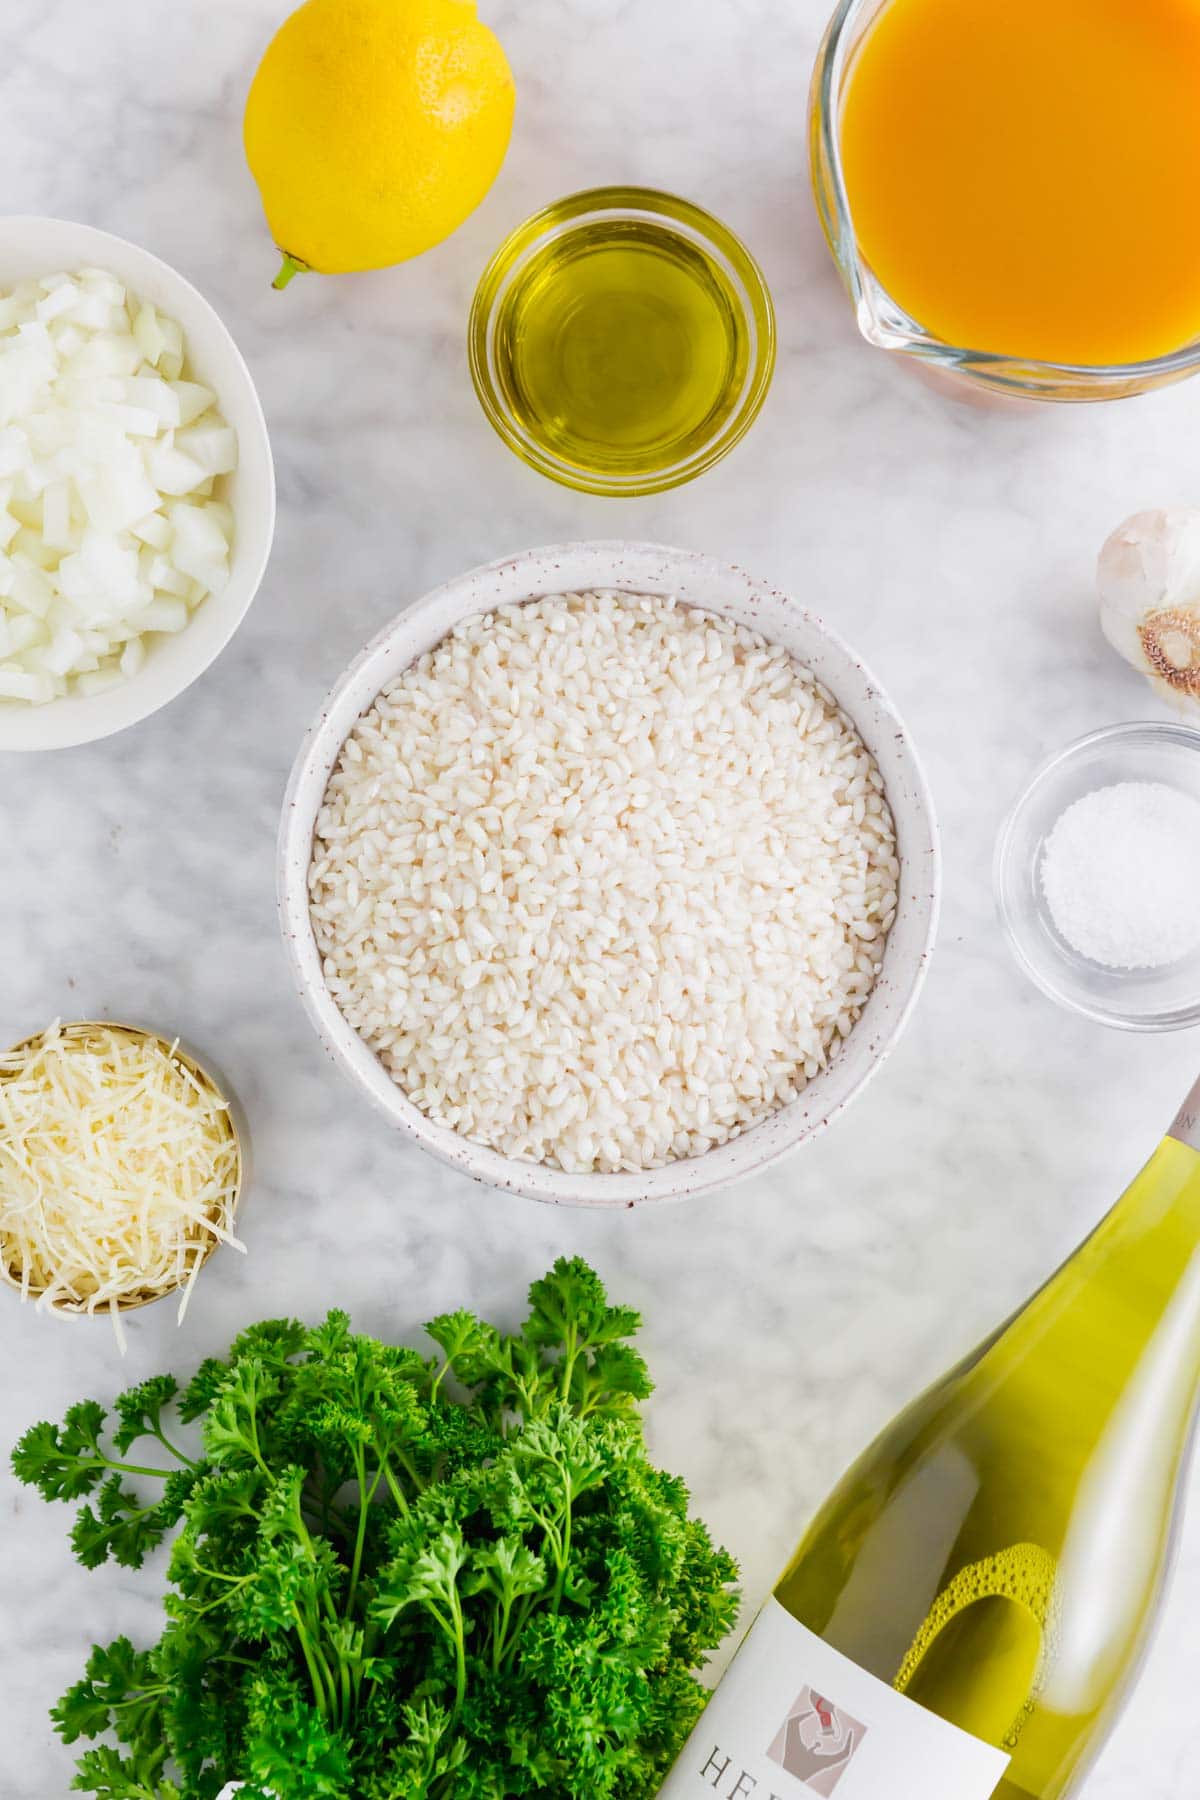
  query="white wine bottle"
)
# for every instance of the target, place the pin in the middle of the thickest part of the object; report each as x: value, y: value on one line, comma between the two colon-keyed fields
x: 970, y: 1606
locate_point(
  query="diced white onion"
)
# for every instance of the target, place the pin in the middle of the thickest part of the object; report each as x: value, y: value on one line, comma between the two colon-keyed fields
x: 109, y: 456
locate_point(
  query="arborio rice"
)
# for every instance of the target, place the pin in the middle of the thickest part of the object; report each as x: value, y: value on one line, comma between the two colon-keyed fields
x: 603, y: 880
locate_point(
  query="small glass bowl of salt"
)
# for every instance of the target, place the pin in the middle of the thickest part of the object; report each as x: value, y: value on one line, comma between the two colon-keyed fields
x: 1098, y: 877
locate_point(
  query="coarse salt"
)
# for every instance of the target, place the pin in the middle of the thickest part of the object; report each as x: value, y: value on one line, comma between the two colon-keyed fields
x: 1121, y: 874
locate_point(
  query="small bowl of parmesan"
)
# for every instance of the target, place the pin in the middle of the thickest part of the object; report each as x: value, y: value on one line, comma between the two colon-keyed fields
x: 1097, y: 874
x: 122, y: 1163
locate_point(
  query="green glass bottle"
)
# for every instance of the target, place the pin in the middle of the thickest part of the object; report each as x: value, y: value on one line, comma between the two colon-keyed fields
x: 969, y: 1609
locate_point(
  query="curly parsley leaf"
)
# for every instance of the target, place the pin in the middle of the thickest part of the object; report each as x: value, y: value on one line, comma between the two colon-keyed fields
x: 290, y: 1749
x: 140, y: 1410
x: 64, y: 1461
x: 106, y: 1773
x: 119, y: 1689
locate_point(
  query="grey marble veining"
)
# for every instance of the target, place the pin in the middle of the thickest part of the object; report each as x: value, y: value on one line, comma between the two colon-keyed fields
x: 786, y: 1318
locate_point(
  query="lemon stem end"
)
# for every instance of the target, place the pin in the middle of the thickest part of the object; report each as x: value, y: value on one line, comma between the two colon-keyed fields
x: 290, y: 266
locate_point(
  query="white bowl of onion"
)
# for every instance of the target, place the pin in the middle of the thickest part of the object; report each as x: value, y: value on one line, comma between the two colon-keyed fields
x: 188, y: 582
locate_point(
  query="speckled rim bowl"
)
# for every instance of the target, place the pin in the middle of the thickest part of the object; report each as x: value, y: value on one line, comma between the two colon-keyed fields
x: 208, y: 1076
x: 721, y: 588
x: 33, y: 246
x: 1156, y: 999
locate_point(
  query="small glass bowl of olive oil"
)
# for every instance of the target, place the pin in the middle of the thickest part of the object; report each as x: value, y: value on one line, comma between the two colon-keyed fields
x: 622, y: 341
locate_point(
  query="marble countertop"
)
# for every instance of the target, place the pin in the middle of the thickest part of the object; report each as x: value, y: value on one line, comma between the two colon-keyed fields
x: 788, y: 1317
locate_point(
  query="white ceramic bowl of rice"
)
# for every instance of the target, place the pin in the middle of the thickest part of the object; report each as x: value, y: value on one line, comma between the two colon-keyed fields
x: 666, y: 930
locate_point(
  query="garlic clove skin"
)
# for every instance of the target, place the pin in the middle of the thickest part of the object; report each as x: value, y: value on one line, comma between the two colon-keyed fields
x: 1149, y: 584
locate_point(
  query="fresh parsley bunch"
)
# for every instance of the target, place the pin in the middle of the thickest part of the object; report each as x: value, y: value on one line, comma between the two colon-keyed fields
x: 394, y: 1577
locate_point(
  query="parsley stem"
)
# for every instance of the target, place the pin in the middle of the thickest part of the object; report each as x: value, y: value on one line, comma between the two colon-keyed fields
x: 525, y: 1606
x: 220, y: 1575
x: 324, y: 1688
x: 460, y: 1658
x: 320, y: 1690
x: 570, y: 1351
x: 563, y: 1558
x: 396, y: 1491
x: 500, y: 1632
x: 360, y: 1536
x: 198, y: 1612
x: 174, y: 1449
x: 252, y: 1442
x: 308, y: 1546
x: 451, y: 1625
x: 406, y: 1465
x: 120, y: 1468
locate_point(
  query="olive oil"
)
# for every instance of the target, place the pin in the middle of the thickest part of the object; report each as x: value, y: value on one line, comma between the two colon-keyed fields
x: 622, y: 341
x: 619, y: 344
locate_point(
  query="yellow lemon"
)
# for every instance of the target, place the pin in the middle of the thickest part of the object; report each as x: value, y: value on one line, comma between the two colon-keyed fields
x: 373, y: 127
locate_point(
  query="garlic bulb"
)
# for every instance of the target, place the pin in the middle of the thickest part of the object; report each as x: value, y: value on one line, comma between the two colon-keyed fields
x: 1149, y: 582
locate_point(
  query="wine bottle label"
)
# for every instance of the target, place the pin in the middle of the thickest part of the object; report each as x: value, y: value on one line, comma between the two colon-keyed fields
x: 794, y: 1717
x: 1186, y: 1126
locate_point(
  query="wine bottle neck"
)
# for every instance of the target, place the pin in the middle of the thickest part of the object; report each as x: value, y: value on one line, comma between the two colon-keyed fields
x: 1186, y: 1125
x: 1148, y: 1245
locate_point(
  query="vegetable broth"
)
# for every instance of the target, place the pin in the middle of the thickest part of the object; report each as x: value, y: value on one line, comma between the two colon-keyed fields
x: 1022, y: 177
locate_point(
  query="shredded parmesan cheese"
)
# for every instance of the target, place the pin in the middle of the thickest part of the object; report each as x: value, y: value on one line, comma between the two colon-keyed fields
x: 119, y: 1169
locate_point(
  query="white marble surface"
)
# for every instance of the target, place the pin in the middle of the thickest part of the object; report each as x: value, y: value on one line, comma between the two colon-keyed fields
x: 787, y: 1318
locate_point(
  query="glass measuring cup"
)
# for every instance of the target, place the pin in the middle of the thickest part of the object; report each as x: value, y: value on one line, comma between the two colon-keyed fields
x: 883, y: 322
